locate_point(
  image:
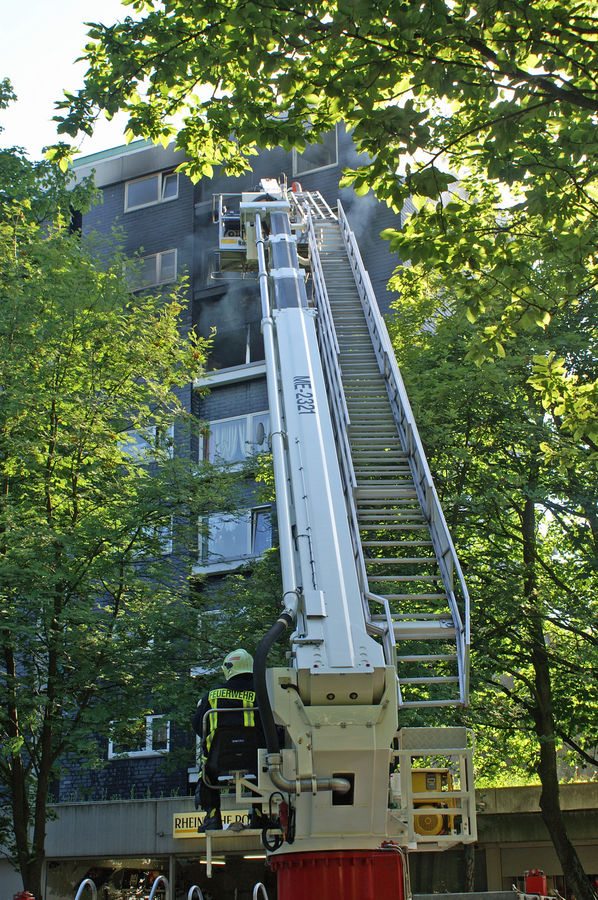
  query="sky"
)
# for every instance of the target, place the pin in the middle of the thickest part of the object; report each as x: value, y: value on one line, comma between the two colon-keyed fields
x: 39, y: 43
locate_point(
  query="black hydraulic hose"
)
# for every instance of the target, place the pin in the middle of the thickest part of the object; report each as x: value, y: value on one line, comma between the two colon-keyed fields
x: 259, y: 680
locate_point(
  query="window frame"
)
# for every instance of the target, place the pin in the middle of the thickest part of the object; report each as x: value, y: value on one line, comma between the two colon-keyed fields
x: 158, y: 268
x: 148, y: 751
x: 222, y: 563
x: 162, y: 180
x: 161, y: 438
x: 296, y: 156
x: 204, y: 447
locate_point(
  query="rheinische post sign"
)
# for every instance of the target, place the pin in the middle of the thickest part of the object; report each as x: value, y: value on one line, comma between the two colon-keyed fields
x: 185, y: 825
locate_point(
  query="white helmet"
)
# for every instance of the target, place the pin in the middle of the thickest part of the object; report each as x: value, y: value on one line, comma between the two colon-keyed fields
x: 237, y: 662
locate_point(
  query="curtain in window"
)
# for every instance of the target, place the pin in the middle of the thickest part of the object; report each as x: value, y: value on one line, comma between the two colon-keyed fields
x: 261, y: 433
x: 228, y: 441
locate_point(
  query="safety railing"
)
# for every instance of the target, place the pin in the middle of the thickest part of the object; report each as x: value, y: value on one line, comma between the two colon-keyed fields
x: 448, y: 563
x: 257, y: 888
x: 442, y: 813
x: 161, y: 881
x: 87, y: 882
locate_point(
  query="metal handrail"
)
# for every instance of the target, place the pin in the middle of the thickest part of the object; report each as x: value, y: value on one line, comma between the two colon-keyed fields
x: 161, y: 879
x: 426, y: 491
x: 194, y: 889
x: 257, y: 888
x: 87, y: 882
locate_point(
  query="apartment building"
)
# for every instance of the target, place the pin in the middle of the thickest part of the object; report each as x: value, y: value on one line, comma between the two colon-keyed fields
x: 163, y: 218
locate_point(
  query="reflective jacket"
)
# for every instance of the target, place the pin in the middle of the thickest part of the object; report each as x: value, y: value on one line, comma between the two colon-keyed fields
x: 235, y: 694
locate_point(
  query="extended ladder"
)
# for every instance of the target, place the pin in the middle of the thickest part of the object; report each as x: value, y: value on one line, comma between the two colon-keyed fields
x: 414, y: 595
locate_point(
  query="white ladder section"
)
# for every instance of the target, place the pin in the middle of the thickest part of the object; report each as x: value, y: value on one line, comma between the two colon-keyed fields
x: 414, y: 596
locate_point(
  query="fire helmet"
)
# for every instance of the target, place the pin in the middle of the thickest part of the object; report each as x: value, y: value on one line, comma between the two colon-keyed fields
x: 237, y: 662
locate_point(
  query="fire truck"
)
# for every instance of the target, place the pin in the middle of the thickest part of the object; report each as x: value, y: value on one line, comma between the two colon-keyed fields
x: 374, y: 600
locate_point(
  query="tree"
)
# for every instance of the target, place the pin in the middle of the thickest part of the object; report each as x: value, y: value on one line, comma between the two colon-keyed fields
x: 525, y: 529
x: 37, y: 189
x: 432, y: 89
x: 98, y: 511
x: 498, y: 94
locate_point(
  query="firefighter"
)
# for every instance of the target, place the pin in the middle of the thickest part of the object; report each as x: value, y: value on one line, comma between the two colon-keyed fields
x: 236, y: 693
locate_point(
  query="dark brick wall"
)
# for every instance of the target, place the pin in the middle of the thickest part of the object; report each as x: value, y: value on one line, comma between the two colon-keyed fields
x: 152, y: 229
x: 233, y: 400
x: 129, y: 779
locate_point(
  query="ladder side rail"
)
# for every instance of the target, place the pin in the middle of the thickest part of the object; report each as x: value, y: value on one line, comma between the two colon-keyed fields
x: 329, y: 211
x: 278, y: 437
x: 389, y: 367
x: 446, y: 553
x: 322, y: 302
x: 339, y: 412
x: 298, y: 206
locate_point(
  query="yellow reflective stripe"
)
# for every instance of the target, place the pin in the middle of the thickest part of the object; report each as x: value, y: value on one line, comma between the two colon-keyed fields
x: 248, y: 717
x: 212, y: 722
x: 247, y: 698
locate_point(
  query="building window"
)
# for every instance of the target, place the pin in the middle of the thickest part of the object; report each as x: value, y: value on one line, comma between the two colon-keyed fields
x: 150, y: 737
x: 143, y: 444
x: 230, y: 538
x: 152, y: 189
x: 233, y: 440
x: 157, y: 268
x: 233, y: 321
x: 317, y: 156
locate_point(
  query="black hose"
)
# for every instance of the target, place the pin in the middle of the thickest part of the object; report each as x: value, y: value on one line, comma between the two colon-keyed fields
x: 259, y: 681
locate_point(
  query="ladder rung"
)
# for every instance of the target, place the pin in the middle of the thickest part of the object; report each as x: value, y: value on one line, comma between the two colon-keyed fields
x: 422, y: 634
x: 413, y: 526
x: 399, y: 560
x: 396, y: 544
x: 371, y: 472
x: 404, y: 704
x: 386, y: 519
x: 383, y: 504
x: 391, y: 579
x: 433, y: 657
x: 411, y: 617
x: 373, y: 490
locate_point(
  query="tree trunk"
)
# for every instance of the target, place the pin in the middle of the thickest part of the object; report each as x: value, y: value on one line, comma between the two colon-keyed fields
x: 469, y: 858
x: 577, y: 881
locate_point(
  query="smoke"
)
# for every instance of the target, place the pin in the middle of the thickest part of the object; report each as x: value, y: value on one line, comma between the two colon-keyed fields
x: 235, y: 316
x: 362, y: 213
